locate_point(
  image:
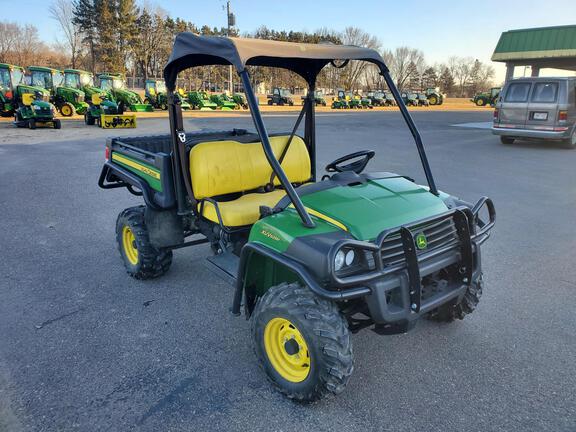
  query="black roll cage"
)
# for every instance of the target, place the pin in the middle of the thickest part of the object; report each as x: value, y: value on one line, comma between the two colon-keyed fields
x: 182, y: 183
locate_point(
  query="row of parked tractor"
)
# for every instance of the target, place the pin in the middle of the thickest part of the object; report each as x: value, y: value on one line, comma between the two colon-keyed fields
x: 73, y: 91
x: 349, y: 100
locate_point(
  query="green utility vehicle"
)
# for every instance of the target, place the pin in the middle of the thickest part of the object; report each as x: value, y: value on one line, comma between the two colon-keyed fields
x: 223, y: 102
x: 318, y: 98
x: 115, y: 83
x: 280, y: 96
x: 434, y: 96
x: 155, y: 95
x: 313, y: 256
x: 365, y: 102
x: 487, y: 98
x: 35, y: 110
x: 81, y: 80
x: 67, y: 100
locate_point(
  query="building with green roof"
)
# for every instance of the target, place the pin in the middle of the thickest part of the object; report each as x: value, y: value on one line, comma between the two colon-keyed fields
x: 545, y: 47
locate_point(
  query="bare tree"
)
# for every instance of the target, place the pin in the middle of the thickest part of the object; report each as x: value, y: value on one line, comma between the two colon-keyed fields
x: 352, y: 73
x: 62, y: 11
x: 407, y: 62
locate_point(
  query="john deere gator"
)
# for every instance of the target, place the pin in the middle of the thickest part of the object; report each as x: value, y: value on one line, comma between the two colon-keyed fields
x: 313, y: 256
x: 115, y: 83
x: 68, y: 100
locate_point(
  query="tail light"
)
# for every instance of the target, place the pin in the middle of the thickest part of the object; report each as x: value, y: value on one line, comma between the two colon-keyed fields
x: 107, y: 153
x: 562, y: 115
x: 496, y: 114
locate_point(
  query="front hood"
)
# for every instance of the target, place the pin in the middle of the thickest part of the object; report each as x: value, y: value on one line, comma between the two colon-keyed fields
x: 369, y: 208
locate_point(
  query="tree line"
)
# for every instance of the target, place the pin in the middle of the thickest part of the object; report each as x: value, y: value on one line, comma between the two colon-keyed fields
x: 120, y: 36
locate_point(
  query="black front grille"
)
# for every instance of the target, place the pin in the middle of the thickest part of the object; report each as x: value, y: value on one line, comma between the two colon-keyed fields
x: 438, y: 234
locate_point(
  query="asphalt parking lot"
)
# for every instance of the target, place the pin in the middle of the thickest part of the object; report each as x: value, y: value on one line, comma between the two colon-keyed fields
x: 84, y: 347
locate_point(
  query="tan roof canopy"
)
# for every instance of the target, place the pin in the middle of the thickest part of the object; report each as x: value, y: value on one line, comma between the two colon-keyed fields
x: 307, y: 60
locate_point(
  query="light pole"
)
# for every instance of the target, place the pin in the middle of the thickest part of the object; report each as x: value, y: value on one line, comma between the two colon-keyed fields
x: 231, y: 23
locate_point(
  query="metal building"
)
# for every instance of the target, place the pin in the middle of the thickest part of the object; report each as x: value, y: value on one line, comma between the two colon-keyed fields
x: 545, y: 47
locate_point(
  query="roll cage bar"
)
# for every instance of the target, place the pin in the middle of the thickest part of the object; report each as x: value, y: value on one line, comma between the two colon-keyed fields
x: 307, y: 60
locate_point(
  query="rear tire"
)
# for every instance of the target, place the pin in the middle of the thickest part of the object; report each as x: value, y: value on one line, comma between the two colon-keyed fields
x: 452, y: 311
x: 506, y: 140
x: 322, y: 339
x: 141, y: 259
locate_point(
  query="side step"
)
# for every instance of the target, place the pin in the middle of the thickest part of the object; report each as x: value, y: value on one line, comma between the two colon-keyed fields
x: 224, y: 265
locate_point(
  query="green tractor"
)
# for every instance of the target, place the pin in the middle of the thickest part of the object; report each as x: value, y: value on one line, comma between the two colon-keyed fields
x: 240, y: 100
x: 410, y: 98
x: 339, y: 101
x: 155, y: 95
x: 319, y: 99
x: 102, y: 104
x: 29, y: 105
x: 115, y: 83
x: 81, y: 80
x: 487, y: 98
x: 200, y: 100
x: 34, y: 109
x: 434, y: 96
x: 376, y: 98
x: 10, y: 78
x: 223, y: 102
x: 67, y: 100
x: 313, y: 256
x: 365, y: 101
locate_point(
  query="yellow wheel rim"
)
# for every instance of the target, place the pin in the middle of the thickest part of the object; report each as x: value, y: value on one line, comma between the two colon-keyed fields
x: 66, y: 110
x: 129, y: 245
x: 287, y: 350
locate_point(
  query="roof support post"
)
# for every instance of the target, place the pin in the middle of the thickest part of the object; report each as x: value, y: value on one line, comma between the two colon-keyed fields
x: 413, y: 130
x: 535, y: 71
x: 310, y: 126
x: 261, y: 129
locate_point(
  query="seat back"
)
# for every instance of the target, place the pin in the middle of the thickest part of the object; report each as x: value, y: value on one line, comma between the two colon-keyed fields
x: 223, y: 167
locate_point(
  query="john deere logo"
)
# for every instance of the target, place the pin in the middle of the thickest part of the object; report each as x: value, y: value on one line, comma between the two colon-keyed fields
x: 421, y: 241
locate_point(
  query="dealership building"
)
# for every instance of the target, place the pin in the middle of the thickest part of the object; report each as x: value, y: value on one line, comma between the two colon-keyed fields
x: 538, y: 48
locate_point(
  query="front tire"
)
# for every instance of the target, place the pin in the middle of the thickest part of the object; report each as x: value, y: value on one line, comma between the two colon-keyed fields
x: 302, y: 342
x: 67, y: 109
x: 31, y: 124
x: 141, y: 259
x: 480, y: 102
x: 453, y: 311
x: 506, y: 140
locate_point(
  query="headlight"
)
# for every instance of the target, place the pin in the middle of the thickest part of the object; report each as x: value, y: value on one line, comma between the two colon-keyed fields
x: 37, y: 108
x: 346, y: 259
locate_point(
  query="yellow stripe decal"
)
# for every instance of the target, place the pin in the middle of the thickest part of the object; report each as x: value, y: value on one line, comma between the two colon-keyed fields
x: 326, y: 218
x: 135, y: 165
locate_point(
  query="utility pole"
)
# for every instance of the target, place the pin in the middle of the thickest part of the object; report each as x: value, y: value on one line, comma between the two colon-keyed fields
x: 231, y: 23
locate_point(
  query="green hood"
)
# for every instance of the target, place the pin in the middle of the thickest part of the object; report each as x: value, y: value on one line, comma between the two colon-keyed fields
x: 368, y: 209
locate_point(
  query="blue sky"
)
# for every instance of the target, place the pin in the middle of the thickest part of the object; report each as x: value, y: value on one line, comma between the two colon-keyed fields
x: 439, y: 28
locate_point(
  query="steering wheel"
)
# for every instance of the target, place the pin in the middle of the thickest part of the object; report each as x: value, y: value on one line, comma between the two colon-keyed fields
x: 356, y: 166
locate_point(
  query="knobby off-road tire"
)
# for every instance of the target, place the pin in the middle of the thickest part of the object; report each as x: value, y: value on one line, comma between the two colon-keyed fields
x: 141, y: 259
x: 452, y: 311
x: 323, y: 334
